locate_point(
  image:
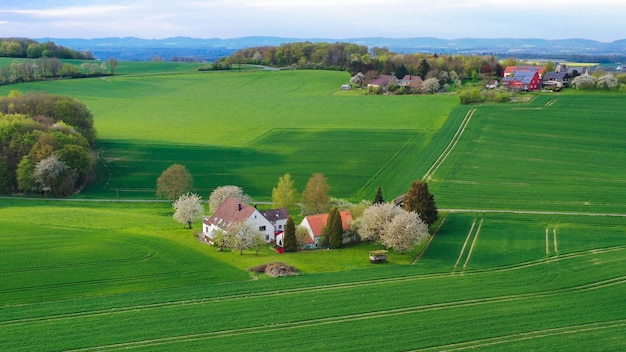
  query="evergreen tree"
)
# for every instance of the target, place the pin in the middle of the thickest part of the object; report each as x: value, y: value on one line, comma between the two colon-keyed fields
x: 289, y: 239
x: 423, y: 69
x: 334, y: 228
x: 378, y: 199
x: 419, y: 199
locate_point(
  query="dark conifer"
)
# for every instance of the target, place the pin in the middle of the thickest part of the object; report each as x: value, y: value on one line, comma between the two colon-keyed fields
x: 334, y: 228
x: 289, y: 239
x: 419, y: 199
x: 378, y: 199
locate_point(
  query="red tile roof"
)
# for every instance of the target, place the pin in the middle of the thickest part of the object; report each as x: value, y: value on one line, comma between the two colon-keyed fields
x: 231, y: 211
x: 318, y: 222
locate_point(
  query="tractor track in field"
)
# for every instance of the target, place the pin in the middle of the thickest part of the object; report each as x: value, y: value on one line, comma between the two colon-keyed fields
x: 319, y: 288
x: 455, y: 139
x: 277, y: 327
x: 529, y: 335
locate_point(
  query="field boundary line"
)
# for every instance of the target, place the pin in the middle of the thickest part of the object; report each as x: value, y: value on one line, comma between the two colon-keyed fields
x: 533, y: 212
x: 471, y: 250
x: 444, y: 155
x: 547, y: 243
x: 430, y: 240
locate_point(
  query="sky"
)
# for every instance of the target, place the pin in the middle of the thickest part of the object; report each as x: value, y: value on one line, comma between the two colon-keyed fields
x: 600, y: 20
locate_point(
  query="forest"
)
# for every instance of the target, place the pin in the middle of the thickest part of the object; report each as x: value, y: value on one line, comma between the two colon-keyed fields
x: 369, y: 61
x: 45, y: 143
x: 32, y: 49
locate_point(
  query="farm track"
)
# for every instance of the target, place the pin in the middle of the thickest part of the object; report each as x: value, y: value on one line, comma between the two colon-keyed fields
x: 529, y: 335
x: 152, y: 255
x: 319, y: 288
x: 444, y: 155
x: 390, y: 313
x: 126, y: 279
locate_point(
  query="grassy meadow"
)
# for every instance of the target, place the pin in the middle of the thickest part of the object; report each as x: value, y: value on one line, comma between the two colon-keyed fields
x: 107, y: 275
x: 249, y: 128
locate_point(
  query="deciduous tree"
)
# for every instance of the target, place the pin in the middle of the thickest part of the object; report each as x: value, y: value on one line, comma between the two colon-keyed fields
x: 174, y: 181
x: 420, y: 200
x: 241, y: 236
x: 315, y: 198
x: 24, y: 174
x: 301, y: 236
x: 188, y: 208
x: 431, y: 85
x: 584, y: 82
x: 608, y: 81
x: 54, y: 176
x: 220, y: 194
x: 284, y: 194
x: 372, y: 223
x: 290, y: 242
x: 76, y: 157
x: 258, y: 242
x: 112, y: 64
x: 404, y: 232
x: 334, y: 228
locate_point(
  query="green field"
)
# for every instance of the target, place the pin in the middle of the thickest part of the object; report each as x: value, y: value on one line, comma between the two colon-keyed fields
x: 134, y: 280
x: 250, y: 128
x: 531, y: 256
x: 558, y: 153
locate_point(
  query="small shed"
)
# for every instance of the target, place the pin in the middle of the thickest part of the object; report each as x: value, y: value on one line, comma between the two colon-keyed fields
x: 379, y: 256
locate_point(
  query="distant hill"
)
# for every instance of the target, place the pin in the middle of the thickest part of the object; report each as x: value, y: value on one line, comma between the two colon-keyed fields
x: 131, y: 48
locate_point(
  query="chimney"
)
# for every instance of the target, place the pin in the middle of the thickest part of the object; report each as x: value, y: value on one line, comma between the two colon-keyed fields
x: 239, y: 206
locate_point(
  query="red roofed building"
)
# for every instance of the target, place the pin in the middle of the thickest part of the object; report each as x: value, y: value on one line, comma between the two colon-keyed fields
x: 511, y: 70
x: 315, y: 225
x: 233, y: 211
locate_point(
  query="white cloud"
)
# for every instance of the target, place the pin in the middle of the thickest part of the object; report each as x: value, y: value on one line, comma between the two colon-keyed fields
x: 314, y: 18
x: 69, y: 12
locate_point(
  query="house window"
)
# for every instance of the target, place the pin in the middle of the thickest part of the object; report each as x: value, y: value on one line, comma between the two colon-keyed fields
x: 267, y: 237
x: 261, y: 228
x: 280, y: 227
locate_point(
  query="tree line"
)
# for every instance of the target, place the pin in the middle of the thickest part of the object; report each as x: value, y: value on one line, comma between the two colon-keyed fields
x: 29, y: 48
x: 369, y: 61
x: 29, y: 70
x: 45, y: 144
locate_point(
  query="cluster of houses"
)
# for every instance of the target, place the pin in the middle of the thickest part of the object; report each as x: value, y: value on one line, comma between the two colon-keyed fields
x: 531, y: 78
x: 514, y: 78
x: 381, y: 82
x: 271, y: 223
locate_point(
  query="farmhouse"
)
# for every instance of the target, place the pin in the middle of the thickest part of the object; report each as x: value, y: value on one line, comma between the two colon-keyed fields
x: 523, y: 80
x: 556, y: 80
x: 278, y: 218
x: 411, y: 81
x: 381, y: 82
x: 233, y: 211
x: 315, y: 224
